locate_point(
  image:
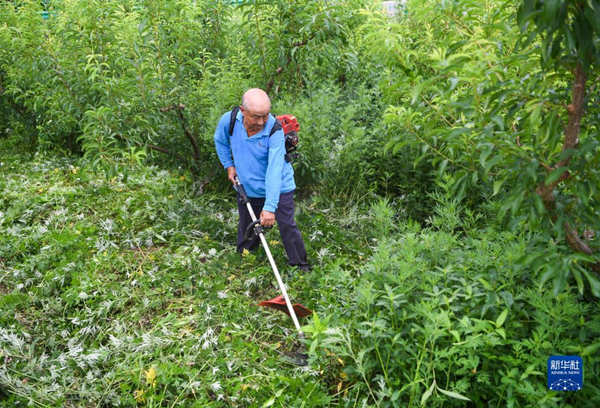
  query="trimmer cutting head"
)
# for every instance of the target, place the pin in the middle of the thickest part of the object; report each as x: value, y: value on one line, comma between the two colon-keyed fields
x: 279, y: 304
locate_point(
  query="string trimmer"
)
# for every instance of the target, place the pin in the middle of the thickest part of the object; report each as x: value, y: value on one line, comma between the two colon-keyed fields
x: 282, y: 303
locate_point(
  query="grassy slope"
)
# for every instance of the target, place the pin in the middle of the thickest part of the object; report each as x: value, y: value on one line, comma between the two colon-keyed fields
x: 104, y: 280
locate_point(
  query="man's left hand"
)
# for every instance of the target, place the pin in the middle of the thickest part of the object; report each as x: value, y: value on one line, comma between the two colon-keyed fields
x: 267, y: 219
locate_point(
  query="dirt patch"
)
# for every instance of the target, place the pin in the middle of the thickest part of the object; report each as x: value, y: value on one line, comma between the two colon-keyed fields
x: 142, y: 252
x: 3, y: 289
x: 156, y: 247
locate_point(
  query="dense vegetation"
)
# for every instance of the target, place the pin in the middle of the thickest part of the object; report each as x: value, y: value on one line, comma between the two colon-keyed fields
x: 448, y: 197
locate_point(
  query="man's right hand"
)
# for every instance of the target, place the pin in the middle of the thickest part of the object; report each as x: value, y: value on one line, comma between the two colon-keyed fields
x: 231, y: 174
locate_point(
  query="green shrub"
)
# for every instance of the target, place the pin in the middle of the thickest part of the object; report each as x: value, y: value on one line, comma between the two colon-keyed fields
x: 438, y: 319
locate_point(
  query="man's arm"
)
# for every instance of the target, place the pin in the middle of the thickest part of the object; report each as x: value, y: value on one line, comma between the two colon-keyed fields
x: 274, y: 171
x: 223, y: 146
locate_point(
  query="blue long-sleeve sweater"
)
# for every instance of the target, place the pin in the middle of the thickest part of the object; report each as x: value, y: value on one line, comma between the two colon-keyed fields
x: 259, y: 160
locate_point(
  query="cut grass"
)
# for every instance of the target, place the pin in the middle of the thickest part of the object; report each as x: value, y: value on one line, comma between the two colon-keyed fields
x: 105, y: 279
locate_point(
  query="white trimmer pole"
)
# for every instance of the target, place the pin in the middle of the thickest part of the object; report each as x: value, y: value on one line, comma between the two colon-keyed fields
x: 272, y: 262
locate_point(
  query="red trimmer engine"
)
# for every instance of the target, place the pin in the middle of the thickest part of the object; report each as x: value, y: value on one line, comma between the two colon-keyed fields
x: 291, y: 128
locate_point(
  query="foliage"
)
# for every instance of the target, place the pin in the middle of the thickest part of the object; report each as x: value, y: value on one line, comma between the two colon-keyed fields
x: 155, y: 76
x: 129, y: 293
x: 474, y: 99
x: 295, y: 41
x: 140, y: 80
x: 438, y: 319
x: 113, y: 78
x: 448, y: 171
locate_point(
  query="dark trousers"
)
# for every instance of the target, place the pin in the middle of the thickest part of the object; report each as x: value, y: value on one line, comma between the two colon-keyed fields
x: 284, y: 215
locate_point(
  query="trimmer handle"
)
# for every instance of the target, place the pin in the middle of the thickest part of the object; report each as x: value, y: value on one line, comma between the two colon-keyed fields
x: 241, y: 190
x: 254, y: 228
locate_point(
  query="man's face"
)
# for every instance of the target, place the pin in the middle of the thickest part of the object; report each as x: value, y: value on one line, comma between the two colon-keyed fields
x: 255, y: 119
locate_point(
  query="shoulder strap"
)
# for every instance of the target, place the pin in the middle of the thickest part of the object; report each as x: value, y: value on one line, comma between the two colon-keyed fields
x: 276, y: 127
x: 234, y: 113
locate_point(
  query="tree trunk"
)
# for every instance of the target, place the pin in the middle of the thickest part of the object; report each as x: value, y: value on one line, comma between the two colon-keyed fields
x: 576, y: 111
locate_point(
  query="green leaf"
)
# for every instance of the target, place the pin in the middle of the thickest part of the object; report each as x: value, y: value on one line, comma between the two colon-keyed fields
x: 319, y: 327
x: 498, y: 120
x: 560, y: 282
x: 551, y: 271
x: 484, y: 155
x: 578, y: 279
x: 555, y: 175
x: 590, y: 350
x: 453, y: 83
x: 498, y: 185
x: 453, y: 394
x: 399, y: 146
x: 427, y: 393
x: 442, y: 167
x: 271, y: 401
x: 485, y: 283
x: 539, y: 204
x: 578, y: 256
x: 525, y: 13
x: 420, y: 88
x: 593, y: 15
x: 501, y: 332
x: 593, y: 281
x: 500, y: 320
x: 390, y: 143
x: 536, y: 114
x: 492, y: 162
x: 313, y: 347
x: 514, y: 202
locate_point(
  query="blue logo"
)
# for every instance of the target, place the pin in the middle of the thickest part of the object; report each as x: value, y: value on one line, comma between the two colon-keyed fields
x: 565, y: 373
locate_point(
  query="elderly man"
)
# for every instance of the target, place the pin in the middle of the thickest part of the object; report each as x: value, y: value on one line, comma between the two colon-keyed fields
x: 244, y: 143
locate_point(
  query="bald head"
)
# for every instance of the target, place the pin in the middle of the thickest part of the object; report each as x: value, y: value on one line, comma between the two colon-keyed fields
x: 256, y: 106
x: 256, y: 100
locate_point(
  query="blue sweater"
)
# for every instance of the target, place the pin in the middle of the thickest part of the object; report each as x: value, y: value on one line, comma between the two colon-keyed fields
x: 259, y: 160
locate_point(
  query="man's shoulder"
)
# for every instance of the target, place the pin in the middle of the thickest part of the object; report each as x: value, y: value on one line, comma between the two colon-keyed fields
x: 225, y: 117
x: 224, y: 122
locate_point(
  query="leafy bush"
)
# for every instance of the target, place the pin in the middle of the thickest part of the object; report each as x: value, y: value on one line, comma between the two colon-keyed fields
x: 134, y: 81
x: 501, y: 99
x: 110, y: 78
x: 438, y: 320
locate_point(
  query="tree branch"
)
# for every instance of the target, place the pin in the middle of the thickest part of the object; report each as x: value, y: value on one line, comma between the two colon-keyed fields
x: 576, y: 111
x: 180, y: 108
x: 288, y: 60
x: 166, y: 151
x: 577, y: 244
